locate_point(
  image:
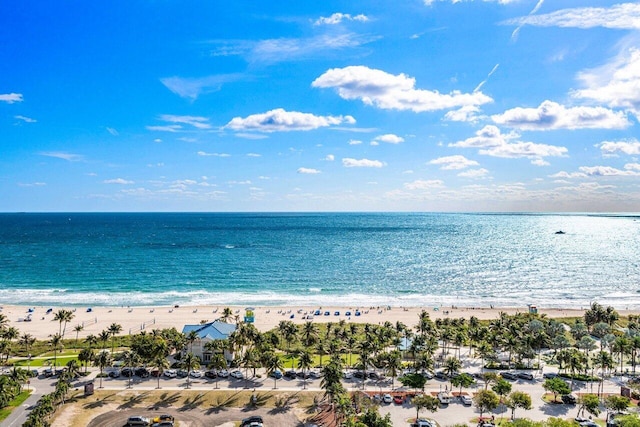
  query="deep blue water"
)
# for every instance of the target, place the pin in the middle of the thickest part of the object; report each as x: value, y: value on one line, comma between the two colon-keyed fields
x: 319, y: 259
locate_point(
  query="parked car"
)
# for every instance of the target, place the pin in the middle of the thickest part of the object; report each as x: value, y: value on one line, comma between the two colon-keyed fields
x: 398, y: 400
x: 442, y: 376
x: 303, y: 374
x: 138, y: 421
x: 182, y: 373
x: 142, y: 372
x: 569, y: 399
x: 466, y: 400
x: 347, y: 375
x: 163, y: 424
x: 387, y: 398
x: 549, y: 375
x: 196, y: 374
x: 315, y: 374
x: 223, y: 373
x: 170, y: 373
x: 422, y: 422
x: 255, y: 421
x: 374, y: 376
x: 114, y: 374
x: 126, y: 372
x: 358, y: 374
x: 444, y: 398
x: 277, y: 374
x: 237, y: 374
x: 509, y: 376
x: 525, y: 376
x: 163, y: 418
x: 211, y: 373
x: 290, y: 374
x: 428, y: 375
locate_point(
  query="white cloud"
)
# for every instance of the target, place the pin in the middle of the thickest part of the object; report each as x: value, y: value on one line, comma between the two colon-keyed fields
x: 25, y: 119
x: 540, y: 162
x: 279, y: 120
x: 423, y: 184
x: 254, y: 155
x: 205, y: 154
x: 308, y: 171
x: 254, y: 136
x: 453, y: 162
x: 631, y: 169
x: 32, y: 184
x: 10, y: 98
x: 119, y: 181
x: 193, y: 87
x: 165, y: 128
x: 361, y: 163
x: 625, y: 16
x: 289, y: 49
x: 330, y: 158
x: 551, y: 115
x: 112, y: 131
x: 70, y: 157
x: 474, y: 173
x: 157, y: 140
x: 567, y: 175
x: 491, y: 142
x: 355, y: 142
x: 610, y: 148
x: 468, y: 113
x: 388, y: 91
x: 195, y: 121
x: 389, y: 138
x: 616, y: 83
x: 338, y: 17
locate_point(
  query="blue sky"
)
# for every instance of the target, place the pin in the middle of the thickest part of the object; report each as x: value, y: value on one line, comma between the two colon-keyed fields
x: 417, y: 105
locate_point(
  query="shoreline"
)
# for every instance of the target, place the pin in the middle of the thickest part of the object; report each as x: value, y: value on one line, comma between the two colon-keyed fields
x: 136, y: 319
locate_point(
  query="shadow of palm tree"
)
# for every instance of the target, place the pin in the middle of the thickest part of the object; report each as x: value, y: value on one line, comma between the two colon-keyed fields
x: 166, y: 400
x: 133, y: 401
x: 98, y: 402
x: 222, y: 405
x: 284, y: 403
x: 192, y: 403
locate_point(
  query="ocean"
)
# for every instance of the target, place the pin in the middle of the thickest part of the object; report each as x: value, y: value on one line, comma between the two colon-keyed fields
x: 319, y: 259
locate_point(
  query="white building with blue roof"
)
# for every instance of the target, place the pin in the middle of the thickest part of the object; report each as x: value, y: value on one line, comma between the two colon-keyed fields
x: 207, y: 332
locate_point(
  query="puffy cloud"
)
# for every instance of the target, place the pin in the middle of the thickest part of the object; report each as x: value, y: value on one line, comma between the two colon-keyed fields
x: 420, y: 184
x: 70, y: 157
x: 474, y: 173
x: 567, y: 175
x: 338, y: 17
x: 491, y: 142
x: 540, y: 162
x: 330, y: 158
x: 625, y: 16
x: 361, y: 163
x: 389, y: 138
x: 625, y: 147
x: 10, y: 98
x: 308, y: 171
x: 355, y: 142
x: 193, y: 87
x: 631, y: 169
x: 453, y: 162
x: 617, y: 83
x: 468, y: 113
x: 119, y: 181
x: 279, y: 120
x: 388, y: 91
x: 551, y: 115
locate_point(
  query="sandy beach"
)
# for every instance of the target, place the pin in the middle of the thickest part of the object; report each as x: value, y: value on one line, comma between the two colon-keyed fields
x: 136, y: 319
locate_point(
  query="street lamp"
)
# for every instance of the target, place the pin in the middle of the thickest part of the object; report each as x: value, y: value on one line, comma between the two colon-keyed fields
x: 28, y: 370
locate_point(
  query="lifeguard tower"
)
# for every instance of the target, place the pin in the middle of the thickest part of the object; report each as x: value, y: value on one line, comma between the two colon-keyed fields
x: 533, y: 309
x: 249, y: 315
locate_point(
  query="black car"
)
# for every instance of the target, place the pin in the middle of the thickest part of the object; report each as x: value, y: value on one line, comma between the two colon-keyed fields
x: 358, y: 374
x: 114, y: 374
x: 290, y: 374
x: 210, y: 374
x: 509, y: 376
x: 142, y: 372
x: 304, y: 375
x: 126, y: 372
x: 569, y: 399
x: 442, y: 376
x: 525, y: 376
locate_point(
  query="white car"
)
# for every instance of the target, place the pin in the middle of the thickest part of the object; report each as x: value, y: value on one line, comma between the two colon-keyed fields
x: 196, y: 374
x: 444, y: 398
x: 170, y: 373
x: 387, y: 398
x: 466, y: 400
x: 223, y: 373
x: 423, y: 422
x: 237, y: 375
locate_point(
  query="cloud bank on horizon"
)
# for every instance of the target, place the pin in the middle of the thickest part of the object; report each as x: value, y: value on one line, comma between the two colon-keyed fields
x: 425, y: 105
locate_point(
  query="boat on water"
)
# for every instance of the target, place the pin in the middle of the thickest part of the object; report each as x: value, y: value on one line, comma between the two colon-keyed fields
x: 560, y: 232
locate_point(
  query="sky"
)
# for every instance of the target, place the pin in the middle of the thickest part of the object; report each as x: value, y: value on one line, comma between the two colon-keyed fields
x: 412, y: 105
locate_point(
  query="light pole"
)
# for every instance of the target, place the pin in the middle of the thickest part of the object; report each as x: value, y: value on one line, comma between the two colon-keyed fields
x: 28, y: 370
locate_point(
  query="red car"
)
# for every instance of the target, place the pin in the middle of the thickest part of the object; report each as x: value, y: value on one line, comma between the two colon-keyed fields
x: 398, y: 400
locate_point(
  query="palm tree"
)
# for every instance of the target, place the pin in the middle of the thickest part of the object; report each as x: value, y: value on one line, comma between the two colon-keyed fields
x: 27, y: 340
x: 77, y: 329
x: 130, y: 359
x: 63, y: 316
x: 104, y: 337
x: 114, y: 329
x: 18, y: 375
x: 272, y: 363
x: 227, y: 313
x: 91, y: 340
x: 217, y: 362
x: 102, y: 360
x: 85, y: 356
x: 56, y: 343
x: 161, y: 363
x: 393, y: 364
x: 190, y: 363
x: 304, y: 362
x: 73, y: 369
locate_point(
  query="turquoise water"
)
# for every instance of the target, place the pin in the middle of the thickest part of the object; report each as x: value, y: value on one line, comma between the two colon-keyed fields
x: 319, y: 259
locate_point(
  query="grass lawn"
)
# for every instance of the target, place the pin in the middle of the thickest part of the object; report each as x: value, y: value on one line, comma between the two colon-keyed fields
x: 4, y: 412
x: 39, y: 362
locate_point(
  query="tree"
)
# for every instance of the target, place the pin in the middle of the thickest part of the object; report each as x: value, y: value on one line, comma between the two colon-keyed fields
x: 304, y: 362
x: 413, y: 380
x: 272, y: 364
x: 56, y: 343
x: 371, y: 418
x: 589, y: 403
x: 19, y: 376
x: 217, y: 362
x: 486, y: 400
x: 63, y: 316
x: 73, y: 369
x: 77, y: 329
x: 462, y: 380
x: 190, y: 363
x: 425, y: 401
x: 616, y: 403
x: 227, y: 313
x: 102, y: 360
x: 114, y: 329
x: 556, y: 386
x: 161, y: 363
x: 393, y: 364
x: 130, y: 358
x: 518, y: 399
x: 85, y: 356
x: 27, y: 340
